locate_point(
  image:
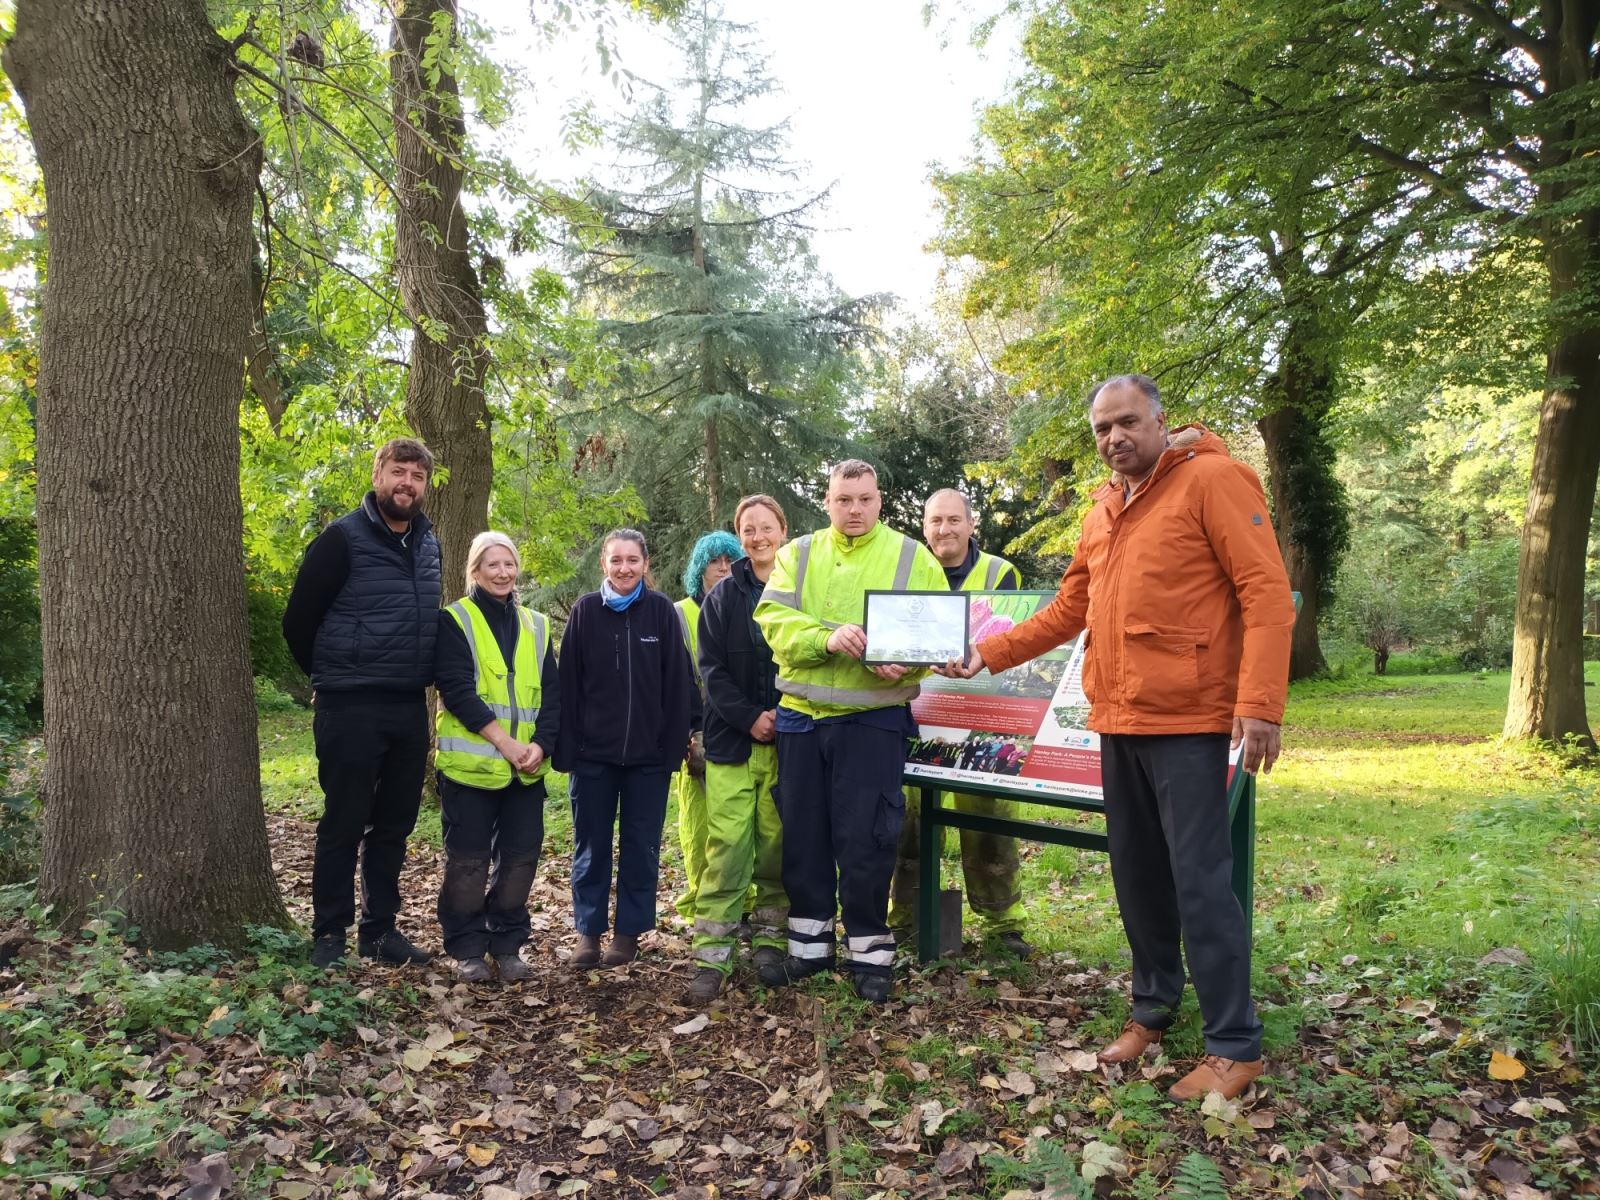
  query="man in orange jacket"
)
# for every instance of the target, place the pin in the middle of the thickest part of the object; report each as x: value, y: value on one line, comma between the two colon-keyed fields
x: 1178, y: 579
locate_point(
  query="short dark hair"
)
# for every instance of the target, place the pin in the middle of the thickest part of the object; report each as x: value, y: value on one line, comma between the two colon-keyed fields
x: 405, y: 450
x: 1142, y: 383
x: 625, y: 535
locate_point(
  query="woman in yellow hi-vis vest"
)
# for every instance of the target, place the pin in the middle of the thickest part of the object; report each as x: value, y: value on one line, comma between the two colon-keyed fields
x: 709, y: 562
x: 499, y: 698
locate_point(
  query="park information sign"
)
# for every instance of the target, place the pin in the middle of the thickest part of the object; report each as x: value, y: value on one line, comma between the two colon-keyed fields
x: 1021, y: 730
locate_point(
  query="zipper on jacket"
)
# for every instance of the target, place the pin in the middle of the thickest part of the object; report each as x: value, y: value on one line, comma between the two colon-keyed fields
x: 627, y: 726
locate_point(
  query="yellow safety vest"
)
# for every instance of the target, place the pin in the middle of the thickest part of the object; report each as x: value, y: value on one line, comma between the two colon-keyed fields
x: 819, y: 583
x: 987, y: 573
x: 512, y: 696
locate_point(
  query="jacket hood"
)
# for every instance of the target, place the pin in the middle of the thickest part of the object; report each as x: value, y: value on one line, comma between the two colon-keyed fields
x: 1182, y: 443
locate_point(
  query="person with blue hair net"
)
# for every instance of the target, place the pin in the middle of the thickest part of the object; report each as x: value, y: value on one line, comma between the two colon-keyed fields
x: 710, y: 561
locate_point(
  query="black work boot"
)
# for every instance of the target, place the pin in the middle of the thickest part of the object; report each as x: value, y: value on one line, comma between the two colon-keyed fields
x: 792, y: 970
x: 874, y: 989
x: 766, y: 958
x: 472, y: 970
x: 327, y: 952
x: 393, y: 947
x: 1014, y: 944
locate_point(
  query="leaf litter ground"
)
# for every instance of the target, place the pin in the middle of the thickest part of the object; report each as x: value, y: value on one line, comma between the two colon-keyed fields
x: 978, y: 1080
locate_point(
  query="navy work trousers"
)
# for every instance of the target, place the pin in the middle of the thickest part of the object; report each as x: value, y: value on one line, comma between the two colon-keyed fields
x: 630, y: 802
x: 841, y: 805
x: 491, y: 848
x: 1172, y: 866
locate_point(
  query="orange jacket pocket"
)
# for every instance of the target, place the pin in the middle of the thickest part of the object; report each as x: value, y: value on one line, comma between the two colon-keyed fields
x: 1161, y: 669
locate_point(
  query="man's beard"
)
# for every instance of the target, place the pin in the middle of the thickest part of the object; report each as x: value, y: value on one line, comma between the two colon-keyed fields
x: 394, y: 512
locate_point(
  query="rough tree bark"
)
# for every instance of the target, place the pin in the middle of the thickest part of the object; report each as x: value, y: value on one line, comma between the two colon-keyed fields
x: 439, y: 286
x: 1306, y: 499
x: 152, y: 782
x: 1547, y: 693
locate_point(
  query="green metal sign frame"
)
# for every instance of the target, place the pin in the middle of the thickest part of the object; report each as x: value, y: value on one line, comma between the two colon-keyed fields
x: 936, y: 818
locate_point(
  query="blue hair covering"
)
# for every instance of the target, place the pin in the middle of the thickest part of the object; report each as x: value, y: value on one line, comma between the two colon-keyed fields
x: 718, y: 544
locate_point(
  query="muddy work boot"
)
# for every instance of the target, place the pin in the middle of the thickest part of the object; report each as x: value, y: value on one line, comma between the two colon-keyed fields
x: 472, y: 970
x: 511, y: 967
x: 705, y: 987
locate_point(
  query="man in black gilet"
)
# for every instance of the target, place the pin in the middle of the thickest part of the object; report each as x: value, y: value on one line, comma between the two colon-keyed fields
x: 361, y: 622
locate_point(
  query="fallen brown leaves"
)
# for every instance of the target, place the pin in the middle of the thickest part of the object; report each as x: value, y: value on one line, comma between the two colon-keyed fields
x: 603, y: 1084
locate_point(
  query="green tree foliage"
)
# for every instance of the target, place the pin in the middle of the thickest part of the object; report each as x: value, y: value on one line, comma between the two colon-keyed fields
x: 329, y: 361
x: 1438, y: 475
x: 940, y: 418
x: 1138, y: 195
x: 734, y: 353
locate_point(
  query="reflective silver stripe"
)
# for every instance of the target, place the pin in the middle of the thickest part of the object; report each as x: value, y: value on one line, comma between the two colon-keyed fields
x: 876, y: 949
x: 787, y: 599
x: 714, y: 954
x: 536, y: 624
x: 460, y: 610
x: 908, y: 555
x: 714, y: 928
x: 510, y: 712
x: 850, y: 697
x: 997, y: 567
x: 468, y: 746
x: 876, y: 958
x: 809, y: 927
x: 810, y: 949
x: 802, y: 557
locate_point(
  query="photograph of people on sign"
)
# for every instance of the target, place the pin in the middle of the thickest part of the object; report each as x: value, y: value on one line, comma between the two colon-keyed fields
x: 1023, y: 728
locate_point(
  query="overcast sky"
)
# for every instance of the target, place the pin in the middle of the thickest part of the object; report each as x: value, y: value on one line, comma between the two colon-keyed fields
x: 874, y: 97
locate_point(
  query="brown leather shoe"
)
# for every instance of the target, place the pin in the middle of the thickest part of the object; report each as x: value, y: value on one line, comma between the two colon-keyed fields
x: 1133, y: 1042
x: 1215, y: 1074
x: 624, y: 949
x: 586, y: 953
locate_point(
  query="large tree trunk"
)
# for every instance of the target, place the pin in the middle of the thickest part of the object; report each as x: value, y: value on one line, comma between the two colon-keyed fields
x: 439, y: 286
x: 1547, y: 693
x: 1307, y: 501
x: 152, y: 781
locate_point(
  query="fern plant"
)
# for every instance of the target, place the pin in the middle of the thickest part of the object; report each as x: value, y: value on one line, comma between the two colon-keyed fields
x: 1198, y: 1178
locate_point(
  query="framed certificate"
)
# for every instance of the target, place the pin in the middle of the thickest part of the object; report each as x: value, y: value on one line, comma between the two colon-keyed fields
x: 915, y: 629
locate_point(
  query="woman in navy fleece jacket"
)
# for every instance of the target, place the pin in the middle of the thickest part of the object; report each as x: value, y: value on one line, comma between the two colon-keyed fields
x: 629, y: 703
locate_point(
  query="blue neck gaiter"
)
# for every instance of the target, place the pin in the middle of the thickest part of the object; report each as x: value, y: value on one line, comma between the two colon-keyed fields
x: 617, y: 601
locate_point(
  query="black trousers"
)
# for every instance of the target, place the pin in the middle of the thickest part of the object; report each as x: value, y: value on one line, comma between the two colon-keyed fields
x: 841, y: 806
x: 491, y: 847
x: 1172, y: 865
x: 371, y: 759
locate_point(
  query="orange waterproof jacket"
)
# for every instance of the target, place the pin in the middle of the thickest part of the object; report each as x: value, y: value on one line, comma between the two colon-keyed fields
x: 1184, y: 595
